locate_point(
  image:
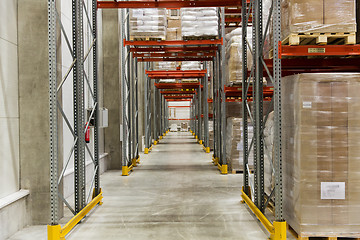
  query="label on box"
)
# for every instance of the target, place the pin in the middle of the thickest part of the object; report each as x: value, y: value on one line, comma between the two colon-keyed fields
x: 332, y: 190
x: 239, y: 146
x: 307, y: 104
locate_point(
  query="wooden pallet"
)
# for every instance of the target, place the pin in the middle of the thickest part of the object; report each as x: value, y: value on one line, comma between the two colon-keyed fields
x: 200, y: 38
x: 320, y: 38
x: 301, y: 237
x: 146, y: 38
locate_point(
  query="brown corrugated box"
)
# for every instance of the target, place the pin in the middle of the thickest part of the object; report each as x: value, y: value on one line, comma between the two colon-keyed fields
x: 321, y: 144
x: 317, y: 16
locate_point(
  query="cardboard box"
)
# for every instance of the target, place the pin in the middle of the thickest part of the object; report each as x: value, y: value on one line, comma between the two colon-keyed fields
x: 321, y: 153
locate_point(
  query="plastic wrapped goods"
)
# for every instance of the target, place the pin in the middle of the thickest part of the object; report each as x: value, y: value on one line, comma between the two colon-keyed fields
x: 269, y: 179
x: 317, y: 16
x: 321, y: 153
x: 234, y: 56
x: 189, y: 65
x: 199, y: 22
x: 148, y: 22
x: 164, y: 65
x: 234, y: 144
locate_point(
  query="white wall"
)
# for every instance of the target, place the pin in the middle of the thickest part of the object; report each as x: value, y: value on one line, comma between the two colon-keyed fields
x: 179, y: 110
x: 9, y: 105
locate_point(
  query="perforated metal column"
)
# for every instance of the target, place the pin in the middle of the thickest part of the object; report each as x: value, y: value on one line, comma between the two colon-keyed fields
x: 277, y: 111
x: 79, y: 123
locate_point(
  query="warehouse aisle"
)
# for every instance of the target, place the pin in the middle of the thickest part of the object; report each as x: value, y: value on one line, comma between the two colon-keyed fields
x: 176, y: 193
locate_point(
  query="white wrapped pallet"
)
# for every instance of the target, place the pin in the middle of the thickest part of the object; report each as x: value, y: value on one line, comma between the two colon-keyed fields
x: 191, y: 65
x: 148, y: 23
x: 199, y: 22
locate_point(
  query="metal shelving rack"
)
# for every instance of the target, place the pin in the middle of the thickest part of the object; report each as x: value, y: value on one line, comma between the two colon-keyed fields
x: 253, y: 192
x: 83, y: 80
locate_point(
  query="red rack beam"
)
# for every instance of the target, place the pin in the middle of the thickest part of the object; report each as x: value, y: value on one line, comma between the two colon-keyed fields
x: 174, y: 42
x: 317, y: 65
x: 178, y: 100
x: 173, y: 49
x: 237, y: 91
x: 176, y: 74
x: 177, y: 92
x: 315, y: 50
x: 175, y: 59
x: 177, y: 85
x: 168, y: 4
x: 178, y: 97
x: 175, y: 54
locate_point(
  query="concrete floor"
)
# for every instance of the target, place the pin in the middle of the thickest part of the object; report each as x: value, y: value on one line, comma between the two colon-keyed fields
x: 175, y: 193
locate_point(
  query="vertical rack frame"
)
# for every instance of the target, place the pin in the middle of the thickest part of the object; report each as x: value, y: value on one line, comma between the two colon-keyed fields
x: 277, y: 229
x: 82, y: 205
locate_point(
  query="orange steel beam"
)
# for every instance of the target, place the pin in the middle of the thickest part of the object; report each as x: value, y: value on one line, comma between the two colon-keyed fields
x: 177, y: 85
x: 176, y: 74
x: 178, y: 100
x: 176, y: 59
x: 168, y: 4
x: 173, y: 49
x: 177, y: 92
x: 178, y: 97
x: 316, y: 50
x: 175, y: 54
x: 174, y: 42
x: 174, y: 71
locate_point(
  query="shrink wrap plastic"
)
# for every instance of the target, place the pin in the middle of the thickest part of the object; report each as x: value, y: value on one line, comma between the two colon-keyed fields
x: 197, y: 22
x: 164, y: 66
x: 321, y: 153
x: 234, y: 144
x: 189, y: 65
x: 317, y: 16
x: 234, y: 55
x: 148, y: 22
x: 269, y: 179
x: 211, y: 134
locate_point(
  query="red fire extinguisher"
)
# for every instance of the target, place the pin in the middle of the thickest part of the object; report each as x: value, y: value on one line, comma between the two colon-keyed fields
x: 87, y: 133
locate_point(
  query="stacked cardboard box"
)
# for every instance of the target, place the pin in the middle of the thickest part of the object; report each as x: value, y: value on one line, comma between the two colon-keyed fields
x: 321, y: 153
x: 317, y: 16
x: 148, y: 23
x: 174, y: 28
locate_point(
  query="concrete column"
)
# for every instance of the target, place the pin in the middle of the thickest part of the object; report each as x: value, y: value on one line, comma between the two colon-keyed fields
x: 34, y: 107
x: 112, y: 85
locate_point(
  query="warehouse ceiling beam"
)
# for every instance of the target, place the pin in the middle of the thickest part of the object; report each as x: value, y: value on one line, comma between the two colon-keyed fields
x: 174, y: 42
x: 165, y: 49
x: 316, y: 50
x: 168, y: 4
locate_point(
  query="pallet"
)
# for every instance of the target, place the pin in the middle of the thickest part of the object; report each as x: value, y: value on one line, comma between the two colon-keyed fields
x: 146, y: 38
x: 241, y: 171
x: 320, y: 38
x: 300, y: 237
x: 200, y: 38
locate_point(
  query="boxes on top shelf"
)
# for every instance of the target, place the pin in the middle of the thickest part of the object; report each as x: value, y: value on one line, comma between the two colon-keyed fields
x: 319, y: 21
